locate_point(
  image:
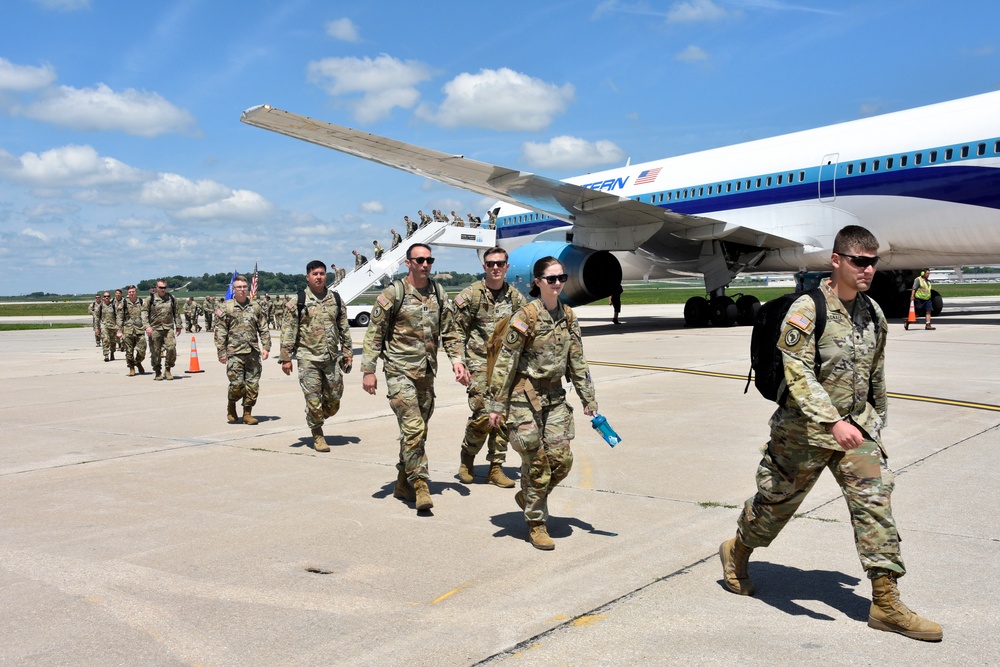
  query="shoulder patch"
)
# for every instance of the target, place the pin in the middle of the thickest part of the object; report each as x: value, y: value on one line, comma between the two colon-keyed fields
x: 799, y: 321
x: 517, y: 324
x: 382, y: 300
x: 459, y: 301
x: 512, y: 337
x: 792, y: 337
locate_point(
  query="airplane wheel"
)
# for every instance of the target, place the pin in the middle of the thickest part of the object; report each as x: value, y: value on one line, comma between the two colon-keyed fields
x: 746, y: 309
x: 937, y: 303
x: 362, y: 319
x: 696, y: 312
x: 723, y: 311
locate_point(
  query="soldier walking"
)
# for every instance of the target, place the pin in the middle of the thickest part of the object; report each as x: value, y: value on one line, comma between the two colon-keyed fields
x: 107, y: 326
x: 162, y: 322
x: 131, y: 330
x: 316, y: 333
x: 475, y: 312
x: 404, y: 331
x: 240, y: 334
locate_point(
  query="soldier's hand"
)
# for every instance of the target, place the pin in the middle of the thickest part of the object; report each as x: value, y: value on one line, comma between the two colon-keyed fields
x: 149, y: 331
x: 222, y: 360
x: 370, y: 383
x: 462, y: 375
x: 847, y: 434
x: 263, y: 354
x: 286, y: 367
x: 346, y: 364
x: 121, y: 335
x: 495, y: 419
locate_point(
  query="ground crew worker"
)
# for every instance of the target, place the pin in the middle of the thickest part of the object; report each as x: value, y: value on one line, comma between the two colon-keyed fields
x: 132, y: 332
x: 833, y: 420
x: 316, y: 332
x: 475, y: 312
x: 406, y: 323
x: 922, y: 298
x: 242, y: 323
x: 379, y: 250
x: 543, y: 345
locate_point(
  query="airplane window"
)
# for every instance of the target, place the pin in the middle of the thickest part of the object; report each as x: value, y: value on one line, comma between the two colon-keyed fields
x: 862, y: 167
x: 996, y: 147
x: 701, y: 192
x: 669, y: 196
x: 874, y: 165
x: 779, y: 178
x: 850, y: 169
x: 802, y: 176
x: 729, y: 187
x: 932, y: 158
x: 948, y: 153
x: 748, y: 184
x: 791, y: 177
x: 888, y: 163
x: 758, y: 183
x: 965, y: 151
x: 902, y: 160
x: 981, y: 149
x: 918, y: 158
x: 768, y: 181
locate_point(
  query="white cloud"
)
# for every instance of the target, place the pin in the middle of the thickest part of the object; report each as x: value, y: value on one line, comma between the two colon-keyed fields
x: 694, y: 11
x: 64, y: 5
x: 692, y: 54
x: 501, y: 100
x: 343, y: 29
x: 34, y: 233
x: 132, y: 111
x: 24, y: 77
x: 566, y: 152
x: 69, y: 166
x: 239, y: 205
x: 383, y: 83
x: 372, y: 207
x: 172, y: 191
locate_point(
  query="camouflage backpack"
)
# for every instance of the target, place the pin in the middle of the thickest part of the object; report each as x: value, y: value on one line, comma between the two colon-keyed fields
x: 502, y: 327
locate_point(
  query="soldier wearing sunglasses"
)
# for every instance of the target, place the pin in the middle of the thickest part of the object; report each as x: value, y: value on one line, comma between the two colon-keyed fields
x: 475, y: 312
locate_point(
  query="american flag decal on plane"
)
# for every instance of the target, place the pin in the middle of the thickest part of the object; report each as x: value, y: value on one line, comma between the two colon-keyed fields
x: 648, y: 176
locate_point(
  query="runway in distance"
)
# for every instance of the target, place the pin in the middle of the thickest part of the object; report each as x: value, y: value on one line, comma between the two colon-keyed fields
x: 925, y: 181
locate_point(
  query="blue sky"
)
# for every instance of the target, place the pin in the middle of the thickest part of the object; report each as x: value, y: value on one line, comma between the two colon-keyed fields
x: 122, y: 156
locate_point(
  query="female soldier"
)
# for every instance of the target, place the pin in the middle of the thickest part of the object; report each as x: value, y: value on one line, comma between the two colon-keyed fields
x: 543, y: 344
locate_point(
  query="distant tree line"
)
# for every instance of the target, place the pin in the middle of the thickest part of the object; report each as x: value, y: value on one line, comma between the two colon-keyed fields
x: 272, y: 283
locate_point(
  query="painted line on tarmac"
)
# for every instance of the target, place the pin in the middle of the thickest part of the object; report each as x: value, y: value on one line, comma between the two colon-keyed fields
x: 729, y: 376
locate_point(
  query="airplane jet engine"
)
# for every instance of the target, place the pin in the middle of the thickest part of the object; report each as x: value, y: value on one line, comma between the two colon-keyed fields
x: 593, y: 274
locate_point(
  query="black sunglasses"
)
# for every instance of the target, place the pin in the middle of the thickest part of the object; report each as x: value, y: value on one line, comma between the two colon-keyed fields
x: 562, y: 277
x: 860, y: 261
x: 490, y: 263
x: 421, y: 260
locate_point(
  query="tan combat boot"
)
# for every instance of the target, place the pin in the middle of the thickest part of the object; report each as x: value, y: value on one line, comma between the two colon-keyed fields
x: 538, y: 535
x: 319, y: 440
x: 888, y: 613
x: 423, y: 495
x: 497, y: 478
x: 465, y: 467
x: 249, y: 419
x: 231, y: 412
x: 735, y: 557
x: 168, y: 375
x: 131, y: 371
x: 403, y: 490
x: 159, y: 375
x: 519, y: 499
x: 139, y: 368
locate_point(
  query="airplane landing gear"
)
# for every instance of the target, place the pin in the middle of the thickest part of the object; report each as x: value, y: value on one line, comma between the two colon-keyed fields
x: 721, y: 311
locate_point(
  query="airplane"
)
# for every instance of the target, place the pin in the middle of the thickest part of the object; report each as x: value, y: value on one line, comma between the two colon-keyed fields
x: 925, y: 181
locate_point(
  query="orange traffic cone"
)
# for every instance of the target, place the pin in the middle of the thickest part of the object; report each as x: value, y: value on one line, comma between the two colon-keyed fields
x: 912, y: 317
x: 193, y: 365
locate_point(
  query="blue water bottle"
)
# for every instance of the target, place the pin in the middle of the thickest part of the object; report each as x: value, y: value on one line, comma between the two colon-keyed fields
x: 601, y: 425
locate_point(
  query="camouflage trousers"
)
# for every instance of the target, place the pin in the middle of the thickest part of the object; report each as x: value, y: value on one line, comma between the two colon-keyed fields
x: 208, y: 320
x: 109, y: 339
x: 243, y: 371
x: 413, y: 403
x: 477, y: 430
x: 322, y: 385
x: 789, y: 470
x: 135, y: 346
x: 188, y: 324
x: 162, y: 342
x: 542, y: 439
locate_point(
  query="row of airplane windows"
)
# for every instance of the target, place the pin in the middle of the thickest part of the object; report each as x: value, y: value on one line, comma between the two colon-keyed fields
x: 780, y: 179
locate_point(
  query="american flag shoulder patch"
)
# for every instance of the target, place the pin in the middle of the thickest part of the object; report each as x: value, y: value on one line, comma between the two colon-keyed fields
x: 799, y: 321
x: 459, y: 301
x: 382, y: 300
x: 520, y: 325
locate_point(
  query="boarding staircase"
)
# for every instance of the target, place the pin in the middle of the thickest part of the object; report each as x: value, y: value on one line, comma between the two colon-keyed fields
x: 360, y: 279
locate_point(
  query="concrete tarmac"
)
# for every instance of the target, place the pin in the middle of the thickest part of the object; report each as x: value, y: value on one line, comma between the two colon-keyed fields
x: 137, y: 527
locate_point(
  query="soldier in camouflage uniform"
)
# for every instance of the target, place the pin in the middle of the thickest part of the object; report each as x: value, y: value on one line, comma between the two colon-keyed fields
x: 92, y: 309
x: 241, y: 325
x: 405, y: 327
x: 119, y: 304
x: 209, y: 307
x: 475, y: 312
x: 543, y: 345
x: 189, y: 314
x: 107, y: 326
x: 131, y: 331
x: 396, y: 239
x: 320, y: 338
x: 162, y: 323
x: 833, y: 421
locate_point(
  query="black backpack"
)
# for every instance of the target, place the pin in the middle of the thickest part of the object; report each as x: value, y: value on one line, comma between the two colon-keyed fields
x: 767, y: 368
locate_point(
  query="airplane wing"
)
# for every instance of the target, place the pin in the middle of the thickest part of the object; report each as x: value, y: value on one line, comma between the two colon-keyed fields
x: 602, y: 221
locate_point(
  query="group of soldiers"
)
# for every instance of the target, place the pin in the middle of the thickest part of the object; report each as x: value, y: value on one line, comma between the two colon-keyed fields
x: 439, y: 216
